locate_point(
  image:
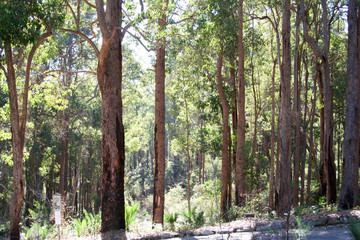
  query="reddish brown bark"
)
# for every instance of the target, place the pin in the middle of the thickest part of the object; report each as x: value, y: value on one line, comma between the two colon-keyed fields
x: 18, y: 127
x: 203, y: 164
x: 226, y: 168
x: 240, y: 130
x: 159, y: 143
x: 18, y: 138
x: 109, y: 73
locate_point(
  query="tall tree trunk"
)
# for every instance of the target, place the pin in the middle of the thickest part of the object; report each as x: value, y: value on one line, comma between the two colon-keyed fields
x: 240, y: 136
x: 322, y: 132
x: 311, y: 144
x: 109, y: 73
x: 304, y: 134
x: 255, y: 143
x: 234, y: 108
x: 77, y: 176
x: 328, y: 114
x: 357, y: 156
x: 159, y: 174
x: 64, y: 123
x: 18, y: 126
x: 200, y: 166
x: 297, y: 113
x: 188, y: 153
x: 225, y: 169
x: 33, y: 176
x: 203, y: 164
x: 285, y: 130
x: 64, y: 155
x: 346, y: 198
x: 272, y: 159
x: 89, y: 183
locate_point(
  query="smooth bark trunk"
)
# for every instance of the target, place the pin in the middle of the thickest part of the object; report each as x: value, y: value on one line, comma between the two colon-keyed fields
x: 18, y: 127
x: 346, y: 198
x: 272, y: 154
x: 240, y: 130
x: 285, y: 127
x: 225, y: 169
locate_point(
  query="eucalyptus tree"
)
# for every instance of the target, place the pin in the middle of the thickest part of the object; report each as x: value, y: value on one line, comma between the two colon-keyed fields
x: 349, y: 181
x: 164, y: 16
x: 285, y: 130
x: 109, y: 76
x: 22, y: 24
x: 240, y: 128
x: 321, y: 51
x: 159, y: 141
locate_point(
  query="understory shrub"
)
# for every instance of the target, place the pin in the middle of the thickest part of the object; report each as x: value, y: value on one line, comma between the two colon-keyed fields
x: 88, y: 225
x: 130, y: 213
x: 354, y: 227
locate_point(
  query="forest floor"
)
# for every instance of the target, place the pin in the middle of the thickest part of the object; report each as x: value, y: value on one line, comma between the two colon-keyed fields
x: 330, y: 226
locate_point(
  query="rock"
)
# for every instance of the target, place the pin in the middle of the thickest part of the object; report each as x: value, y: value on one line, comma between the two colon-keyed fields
x: 225, y: 231
x: 323, y: 221
x: 276, y: 225
x: 344, y: 220
x: 207, y: 232
x: 169, y: 235
x: 263, y: 228
x: 200, y: 232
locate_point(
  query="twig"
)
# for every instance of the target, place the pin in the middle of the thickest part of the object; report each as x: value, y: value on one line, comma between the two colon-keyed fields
x: 63, y: 71
x: 139, y: 40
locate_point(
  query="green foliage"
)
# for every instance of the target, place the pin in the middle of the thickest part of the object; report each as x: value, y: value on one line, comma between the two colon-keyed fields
x: 130, y: 213
x: 193, y: 218
x: 305, y: 210
x: 21, y: 21
x: 39, y: 230
x: 40, y: 227
x: 207, y: 198
x: 354, y: 227
x: 175, y: 199
x: 89, y: 224
x: 171, y: 218
x: 303, y: 228
x: 4, y: 228
x: 79, y: 226
x: 39, y: 214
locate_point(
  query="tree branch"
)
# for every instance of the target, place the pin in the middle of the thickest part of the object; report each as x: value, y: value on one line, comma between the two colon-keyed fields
x: 190, y: 17
x: 72, y: 11
x: 4, y: 70
x: 101, y: 16
x: 139, y: 40
x: 88, y: 3
x: 27, y: 81
x: 316, y: 49
x: 84, y: 37
x: 142, y: 6
x: 63, y: 71
x: 126, y: 28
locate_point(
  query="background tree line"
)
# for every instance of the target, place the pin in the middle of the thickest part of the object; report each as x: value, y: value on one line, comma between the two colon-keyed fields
x: 255, y: 97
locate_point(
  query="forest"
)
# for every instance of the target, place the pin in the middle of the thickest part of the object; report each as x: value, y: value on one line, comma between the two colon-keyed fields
x: 176, y: 113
